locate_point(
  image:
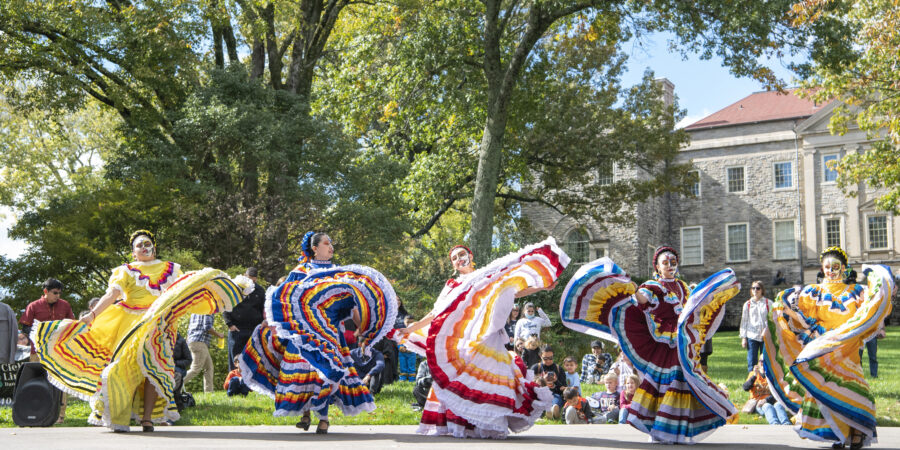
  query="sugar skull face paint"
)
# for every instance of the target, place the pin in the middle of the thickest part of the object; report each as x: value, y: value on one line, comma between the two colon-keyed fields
x: 460, y: 258
x: 667, y: 265
x: 833, y: 268
x: 143, y: 248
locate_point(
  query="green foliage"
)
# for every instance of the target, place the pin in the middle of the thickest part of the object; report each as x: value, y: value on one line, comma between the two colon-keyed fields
x: 861, y: 74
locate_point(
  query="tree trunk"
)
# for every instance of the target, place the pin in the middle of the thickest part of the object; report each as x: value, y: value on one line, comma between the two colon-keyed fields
x: 490, y: 152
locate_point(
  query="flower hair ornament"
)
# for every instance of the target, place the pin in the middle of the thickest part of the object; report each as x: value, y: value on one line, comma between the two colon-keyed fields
x: 140, y: 233
x: 306, y: 247
x: 836, y: 251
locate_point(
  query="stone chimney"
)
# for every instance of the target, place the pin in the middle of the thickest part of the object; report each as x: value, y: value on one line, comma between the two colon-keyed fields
x: 668, y: 90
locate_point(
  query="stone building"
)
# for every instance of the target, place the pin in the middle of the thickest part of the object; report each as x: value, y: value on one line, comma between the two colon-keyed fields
x: 766, y: 202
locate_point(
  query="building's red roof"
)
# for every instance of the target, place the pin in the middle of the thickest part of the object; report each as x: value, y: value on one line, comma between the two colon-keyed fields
x: 759, y: 107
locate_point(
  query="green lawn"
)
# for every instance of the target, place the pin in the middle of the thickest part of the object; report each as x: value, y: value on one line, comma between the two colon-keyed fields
x: 727, y: 364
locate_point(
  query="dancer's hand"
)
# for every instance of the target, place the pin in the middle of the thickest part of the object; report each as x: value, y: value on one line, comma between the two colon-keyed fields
x: 403, y: 331
x: 88, y: 318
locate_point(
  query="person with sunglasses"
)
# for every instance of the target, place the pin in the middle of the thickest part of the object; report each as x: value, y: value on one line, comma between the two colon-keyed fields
x: 754, y: 320
x: 545, y: 367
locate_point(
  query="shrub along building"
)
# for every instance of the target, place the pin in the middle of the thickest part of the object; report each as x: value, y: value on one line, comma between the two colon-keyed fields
x: 766, y: 202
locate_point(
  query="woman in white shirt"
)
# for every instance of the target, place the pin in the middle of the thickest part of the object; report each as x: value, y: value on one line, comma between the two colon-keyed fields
x: 754, y: 319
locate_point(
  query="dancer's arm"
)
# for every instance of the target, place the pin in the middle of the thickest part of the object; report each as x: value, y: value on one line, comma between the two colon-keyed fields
x: 416, y: 326
x: 532, y: 290
x: 638, y: 295
x: 108, y: 298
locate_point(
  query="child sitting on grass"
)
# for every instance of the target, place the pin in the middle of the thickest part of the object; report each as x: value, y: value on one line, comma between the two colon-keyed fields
x: 234, y: 384
x: 406, y: 360
x: 631, y: 384
x: 608, y: 410
x: 578, y: 411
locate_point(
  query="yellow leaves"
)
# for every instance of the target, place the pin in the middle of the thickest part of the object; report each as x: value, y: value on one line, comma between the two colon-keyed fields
x: 592, y: 35
x: 389, y: 111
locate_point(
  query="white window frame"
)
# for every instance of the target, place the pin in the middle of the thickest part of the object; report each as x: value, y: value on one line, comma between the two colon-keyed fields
x: 887, y: 225
x: 775, y: 240
x: 728, y: 257
x: 587, y: 242
x: 612, y: 176
x: 728, y: 181
x: 604, y: 248
x: 681, y: 234
x: 699, y: 184
x: 840, y: 220
x: 790, y: 176
x: 825, y: 167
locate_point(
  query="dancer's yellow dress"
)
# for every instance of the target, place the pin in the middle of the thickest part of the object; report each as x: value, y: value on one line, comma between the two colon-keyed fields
x: 130, y: 343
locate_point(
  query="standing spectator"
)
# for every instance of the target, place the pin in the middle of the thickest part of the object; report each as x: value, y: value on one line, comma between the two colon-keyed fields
x: 754, y: 322
x: 49, y: 307
x: 407, y: 359
x: 608, y: 411
x: 234, y: 384
x: 510, y: 326
x: 23, y: 348
x: 531, y: 325
x: 631, y: 384
x: 243, y: 318
x: 555, y: 377
x: 623, y: 368
x: 872, y: 350
x: 200, y: 332
x: 572, y: 377
x: 578, y: 411
x: 531, y: 353
x: 370, y: 362
x: 423, y: 384
x: 9, y: 334
x: 595, y: 364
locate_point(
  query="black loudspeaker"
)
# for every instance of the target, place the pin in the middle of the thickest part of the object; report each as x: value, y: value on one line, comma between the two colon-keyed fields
x: 36, y: 403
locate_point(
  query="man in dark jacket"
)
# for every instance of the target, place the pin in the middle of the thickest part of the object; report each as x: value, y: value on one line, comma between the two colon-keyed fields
x: 369, y: 364
x: 244, y: 318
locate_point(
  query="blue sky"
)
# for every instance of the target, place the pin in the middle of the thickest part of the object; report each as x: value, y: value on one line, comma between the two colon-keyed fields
x: 702, y: 87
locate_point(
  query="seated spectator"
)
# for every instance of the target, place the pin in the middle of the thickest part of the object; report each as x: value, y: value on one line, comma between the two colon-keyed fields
x: 369, y: 364
x: 623, y: 368
x: 573, y: 379
x: 595, y: 364
x: 555, y: 378
x: 631, y: 384
x: 406, y: 360
x: 578, y: 411
x: 761, y: 400
x: 234, y: 384
x: 531, y: 354
x: 608, y: 400
x: 423, y: 384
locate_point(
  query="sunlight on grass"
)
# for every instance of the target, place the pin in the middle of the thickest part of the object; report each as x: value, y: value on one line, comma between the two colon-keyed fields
x: 727, y: 365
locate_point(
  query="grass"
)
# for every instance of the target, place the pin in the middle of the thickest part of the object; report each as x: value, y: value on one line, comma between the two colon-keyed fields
x: 727, y: 364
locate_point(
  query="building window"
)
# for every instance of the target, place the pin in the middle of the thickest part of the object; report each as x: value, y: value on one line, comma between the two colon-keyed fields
x: 783, y: 175
x: 785, y: 244
x: 606, y: 174
x: 737, y: 245
x: 878, y: 232
x: 832, y: 233
x: 735, y: 179
x: 830, y: 175
x: 691, y: 246
x: 578, y: 246
x: 695, y: 186
x: 602, y: 251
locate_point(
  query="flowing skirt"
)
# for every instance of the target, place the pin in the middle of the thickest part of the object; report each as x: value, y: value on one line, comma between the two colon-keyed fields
x: 676, y: 402
x: 302, y: 360
x: 480, y: 389
x: 837, y: 397
x: 108, y: 362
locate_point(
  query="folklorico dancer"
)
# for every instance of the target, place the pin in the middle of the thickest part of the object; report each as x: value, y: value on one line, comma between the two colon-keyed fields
x: 480, y: 389
x: 298, y: 355
x: 813, y: 341
x: 661, y: 327
x: 119, y: 356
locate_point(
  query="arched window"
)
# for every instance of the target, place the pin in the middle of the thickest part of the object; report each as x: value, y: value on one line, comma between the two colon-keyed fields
x: 577, y: 245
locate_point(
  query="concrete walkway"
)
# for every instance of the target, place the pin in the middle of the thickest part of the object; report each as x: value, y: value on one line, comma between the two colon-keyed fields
x: 397, y: 436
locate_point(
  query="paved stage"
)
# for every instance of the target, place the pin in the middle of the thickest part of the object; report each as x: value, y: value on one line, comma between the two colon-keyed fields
x: 400, y: 436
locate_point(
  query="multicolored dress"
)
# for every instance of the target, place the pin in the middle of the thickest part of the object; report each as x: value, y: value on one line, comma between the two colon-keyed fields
x: 301, y: 359
x: 131, y: 341
x: 676, y: 401
x: 814, y: 337
x: 481, y: 389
